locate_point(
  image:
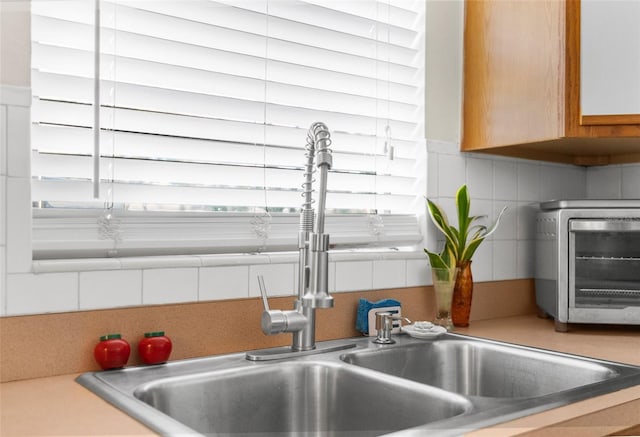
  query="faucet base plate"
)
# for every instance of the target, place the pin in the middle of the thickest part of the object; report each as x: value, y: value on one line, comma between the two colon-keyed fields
x: 278, y: 353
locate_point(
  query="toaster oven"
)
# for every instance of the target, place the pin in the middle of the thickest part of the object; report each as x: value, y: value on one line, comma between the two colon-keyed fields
x: 588, y: 262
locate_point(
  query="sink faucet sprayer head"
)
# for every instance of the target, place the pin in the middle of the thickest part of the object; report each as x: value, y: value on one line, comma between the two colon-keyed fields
x: 314, y: 279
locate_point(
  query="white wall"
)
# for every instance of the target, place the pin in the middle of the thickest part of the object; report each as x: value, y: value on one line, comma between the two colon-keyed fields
x: 443, y: 69
x: 15, y: 46
x: 614, y: 182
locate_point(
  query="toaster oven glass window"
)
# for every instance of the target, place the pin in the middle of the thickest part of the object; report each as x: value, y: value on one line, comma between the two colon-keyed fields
x: 607, y: 263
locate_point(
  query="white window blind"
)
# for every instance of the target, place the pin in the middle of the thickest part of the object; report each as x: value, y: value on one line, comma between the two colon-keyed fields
x: 204, y: 111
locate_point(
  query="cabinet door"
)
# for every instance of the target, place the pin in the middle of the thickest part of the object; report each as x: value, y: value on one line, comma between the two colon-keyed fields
x: 610, y: 61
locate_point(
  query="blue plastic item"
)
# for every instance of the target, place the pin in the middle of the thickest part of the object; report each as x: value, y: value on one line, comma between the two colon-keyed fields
x: 364, y: 306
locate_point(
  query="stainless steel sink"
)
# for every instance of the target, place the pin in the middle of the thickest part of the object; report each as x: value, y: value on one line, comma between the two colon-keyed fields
x: 475, y: 368
x: 294, y: 398
x: 442, y: 387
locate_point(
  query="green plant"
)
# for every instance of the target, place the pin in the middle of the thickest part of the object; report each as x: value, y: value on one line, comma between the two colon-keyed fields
x: 461, y: 242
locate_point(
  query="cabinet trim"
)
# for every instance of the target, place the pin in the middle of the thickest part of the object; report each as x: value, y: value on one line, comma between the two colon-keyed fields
x: 617, y: 119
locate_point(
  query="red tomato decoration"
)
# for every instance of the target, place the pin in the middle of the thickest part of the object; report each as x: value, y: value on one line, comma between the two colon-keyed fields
x: 112, y: 352
x: 154, y: 348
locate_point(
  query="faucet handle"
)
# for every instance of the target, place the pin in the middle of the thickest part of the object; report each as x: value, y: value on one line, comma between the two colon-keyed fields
x: 273, y: 322
x: 277, y: 321
x: 263, y: 292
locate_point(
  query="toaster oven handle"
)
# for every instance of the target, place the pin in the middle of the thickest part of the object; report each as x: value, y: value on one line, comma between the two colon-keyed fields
x: 605, y: 225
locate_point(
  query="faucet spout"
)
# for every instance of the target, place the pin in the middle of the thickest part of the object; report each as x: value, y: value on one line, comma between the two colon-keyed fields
x: 313, y: 246
x: 315, y: 293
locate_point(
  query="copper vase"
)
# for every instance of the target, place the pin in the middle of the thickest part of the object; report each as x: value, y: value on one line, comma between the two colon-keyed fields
x: 462, y: 294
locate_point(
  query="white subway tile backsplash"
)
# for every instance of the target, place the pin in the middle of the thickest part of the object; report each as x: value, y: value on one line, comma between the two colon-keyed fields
x: 418, y: 272
x: 631, y: 181
x: 443, y: 147
x: 283, y: 257
x: 451, y: 174
x: 354, y: 276
x: 18, y: 144
x: 332, y: 276
x: 15, y: 96
x: 505, y: 180
x: 482, y: 264
x: 434, y: 240
x: 604, y: 182
x: 448, y: 205
x: 18, y: 225
x: 432, y: 175
x: 389, y: 274
x: 504, y: 259
x: 526, y: 220
x: 550, y: 182
x: 479, y: 207
x: 233, y: 259
x: 525, y: 267
x: 3, y: 209
x: 278, y: 279
x: 46, y: 293
x: 78, y: 265
x: 153, y: 262
x: 3, y: 285
x: 480, y: 178
x: 507, y: 228
x: 574, y: 181
x: 109, y: 289
x: 3, y: 140
x: 528, y: 182
x: 227, y: 282
x: 160, y: 286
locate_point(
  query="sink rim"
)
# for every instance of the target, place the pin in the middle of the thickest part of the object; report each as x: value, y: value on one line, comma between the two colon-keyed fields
x: 115, y: 386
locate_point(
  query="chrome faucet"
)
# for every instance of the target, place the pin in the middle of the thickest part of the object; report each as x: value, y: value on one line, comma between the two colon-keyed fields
x: 313, y: 258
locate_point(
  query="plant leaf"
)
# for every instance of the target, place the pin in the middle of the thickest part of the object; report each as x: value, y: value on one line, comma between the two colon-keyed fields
x: 435, y: 260
x: 479, y: 231
x: 462, y: 242
x: 482, y: 233
x: 439, y: 218
x: 493, y: 227
x: 471, y: 249
x: 448, y: 256
x: 463, y: 205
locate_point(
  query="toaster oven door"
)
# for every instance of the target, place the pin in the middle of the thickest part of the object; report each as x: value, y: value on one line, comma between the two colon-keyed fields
x: 604, y: 270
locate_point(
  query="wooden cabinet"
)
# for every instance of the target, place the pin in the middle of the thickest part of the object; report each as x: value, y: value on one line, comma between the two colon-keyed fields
x: 522, y: 87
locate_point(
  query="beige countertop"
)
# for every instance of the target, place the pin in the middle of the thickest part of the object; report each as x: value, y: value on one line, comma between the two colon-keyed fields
x: 58, y: 406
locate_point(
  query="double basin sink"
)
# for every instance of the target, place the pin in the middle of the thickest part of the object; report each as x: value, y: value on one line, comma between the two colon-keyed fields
x: 444, y: 386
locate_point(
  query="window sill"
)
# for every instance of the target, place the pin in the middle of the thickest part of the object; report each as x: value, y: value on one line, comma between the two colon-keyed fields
x: 164, y: 262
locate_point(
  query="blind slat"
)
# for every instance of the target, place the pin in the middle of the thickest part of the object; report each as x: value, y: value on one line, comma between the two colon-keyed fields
x: 156, y: 74
x: 203, y: 127
x: 222, y: 52
x: 354, y: 154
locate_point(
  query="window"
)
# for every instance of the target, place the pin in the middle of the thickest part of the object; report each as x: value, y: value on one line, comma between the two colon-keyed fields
x: 203, y: 112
